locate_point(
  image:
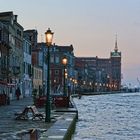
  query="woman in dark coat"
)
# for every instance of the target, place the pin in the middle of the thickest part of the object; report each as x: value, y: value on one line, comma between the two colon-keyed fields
x: 18, y: 93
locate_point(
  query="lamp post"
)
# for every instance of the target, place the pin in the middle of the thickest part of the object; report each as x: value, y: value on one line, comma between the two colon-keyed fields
x: 64, y: 62
x: 49, y: 37
x: 108, y: 82
x: 0, y: 54
x: 0, y: 57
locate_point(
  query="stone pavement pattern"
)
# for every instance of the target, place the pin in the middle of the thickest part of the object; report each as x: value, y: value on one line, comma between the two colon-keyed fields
x: 9, y: 127
x: 62, y: 129
x: 62, y: 124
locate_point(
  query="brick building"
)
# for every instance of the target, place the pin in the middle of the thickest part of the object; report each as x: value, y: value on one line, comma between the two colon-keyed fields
x: 100, y: 74
x: 57, y: 53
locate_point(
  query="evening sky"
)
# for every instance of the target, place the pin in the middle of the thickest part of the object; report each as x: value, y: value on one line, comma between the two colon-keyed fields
x: 89, y: 25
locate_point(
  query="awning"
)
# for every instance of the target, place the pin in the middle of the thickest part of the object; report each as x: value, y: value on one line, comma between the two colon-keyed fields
x: 6, y: 84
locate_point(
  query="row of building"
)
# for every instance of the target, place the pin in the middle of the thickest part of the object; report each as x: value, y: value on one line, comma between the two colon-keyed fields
x: 23, y: 64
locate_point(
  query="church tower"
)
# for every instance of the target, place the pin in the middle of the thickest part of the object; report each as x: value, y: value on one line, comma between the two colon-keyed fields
x: 115, y: 58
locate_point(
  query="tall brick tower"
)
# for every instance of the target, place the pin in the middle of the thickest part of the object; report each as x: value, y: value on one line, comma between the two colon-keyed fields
x: 115, y: 58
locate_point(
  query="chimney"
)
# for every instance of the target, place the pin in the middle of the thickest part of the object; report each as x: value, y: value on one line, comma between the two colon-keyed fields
x: 15, y: 18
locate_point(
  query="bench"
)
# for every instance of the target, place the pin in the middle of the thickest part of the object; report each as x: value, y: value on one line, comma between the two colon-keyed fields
x: 22, y: 115
x: 36, y: 113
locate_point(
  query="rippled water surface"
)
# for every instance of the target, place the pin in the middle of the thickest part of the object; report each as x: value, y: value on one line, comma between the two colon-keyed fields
x: 108, y: 117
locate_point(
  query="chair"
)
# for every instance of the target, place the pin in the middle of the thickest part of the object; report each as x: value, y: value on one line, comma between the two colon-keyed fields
x: 22, y: 115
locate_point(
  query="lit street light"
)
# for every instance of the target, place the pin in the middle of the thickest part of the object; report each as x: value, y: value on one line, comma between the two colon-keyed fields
x: 49, y: 37
x: 64, y: 62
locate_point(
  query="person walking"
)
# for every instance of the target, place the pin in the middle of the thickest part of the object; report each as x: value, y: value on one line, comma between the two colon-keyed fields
x: 18, y: 93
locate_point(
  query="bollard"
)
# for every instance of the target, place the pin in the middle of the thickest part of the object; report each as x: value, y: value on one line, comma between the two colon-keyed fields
x: 33, y: 134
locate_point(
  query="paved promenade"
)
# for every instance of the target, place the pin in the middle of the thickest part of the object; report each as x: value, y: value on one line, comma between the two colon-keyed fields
x: 61, y: 126
x: 9, y: 127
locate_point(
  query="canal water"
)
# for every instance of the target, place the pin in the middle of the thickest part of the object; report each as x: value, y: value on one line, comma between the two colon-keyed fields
x: 108, y: 117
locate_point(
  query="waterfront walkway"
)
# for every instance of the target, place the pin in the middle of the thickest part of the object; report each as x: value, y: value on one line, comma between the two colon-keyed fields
x: 11, y: 129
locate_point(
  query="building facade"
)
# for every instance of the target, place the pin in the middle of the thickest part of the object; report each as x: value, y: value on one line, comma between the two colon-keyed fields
x: 100, y: 74
x: 14, y: 57
x: 4, y: 58
x: 27, y: 69
x: 57, y: 53
x: 59, y: 70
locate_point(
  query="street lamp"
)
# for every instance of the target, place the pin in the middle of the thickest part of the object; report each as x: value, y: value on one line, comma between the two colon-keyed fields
x: 49, y: 37
x: 64, y: 62
x: 108, y: 82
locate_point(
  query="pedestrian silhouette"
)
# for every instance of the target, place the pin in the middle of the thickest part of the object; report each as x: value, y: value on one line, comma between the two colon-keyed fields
x: 18, y: 93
